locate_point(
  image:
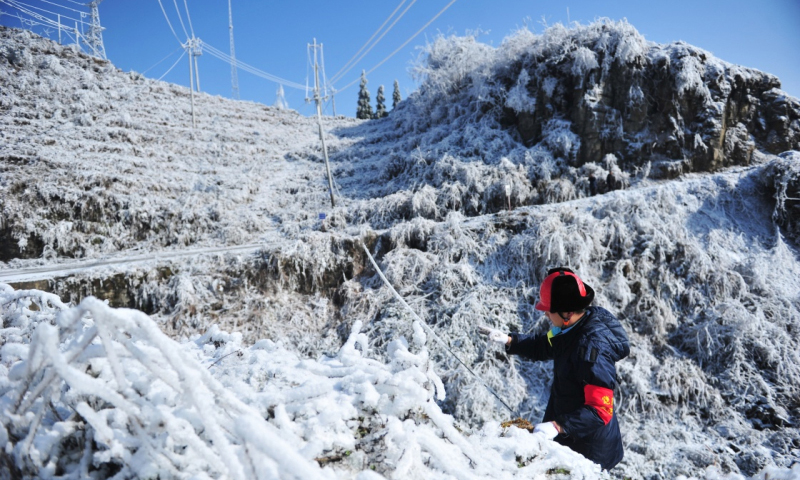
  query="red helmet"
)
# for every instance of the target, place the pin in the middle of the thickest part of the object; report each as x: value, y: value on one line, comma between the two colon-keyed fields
x: 563, y: 291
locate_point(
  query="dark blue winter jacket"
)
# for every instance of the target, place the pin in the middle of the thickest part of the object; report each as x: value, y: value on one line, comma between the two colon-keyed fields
x: 584, y: 378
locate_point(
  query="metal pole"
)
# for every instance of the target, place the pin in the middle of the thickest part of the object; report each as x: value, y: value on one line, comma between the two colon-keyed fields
x: 318, y: 100
x: 59, y: 29
x: 197, y: 73
x: 191, y: 80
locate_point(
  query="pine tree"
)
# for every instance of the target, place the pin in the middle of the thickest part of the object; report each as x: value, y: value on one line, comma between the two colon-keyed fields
x: 364, y: 110
x: 380, y: 107
x: 396, y: 95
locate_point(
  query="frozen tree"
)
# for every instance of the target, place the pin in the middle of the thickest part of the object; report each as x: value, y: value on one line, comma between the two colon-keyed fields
x: 380, y: 104
x: 396, y: 95
x: 364, y: 110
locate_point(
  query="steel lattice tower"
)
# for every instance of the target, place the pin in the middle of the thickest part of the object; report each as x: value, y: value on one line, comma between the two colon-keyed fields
x: 94, y: 37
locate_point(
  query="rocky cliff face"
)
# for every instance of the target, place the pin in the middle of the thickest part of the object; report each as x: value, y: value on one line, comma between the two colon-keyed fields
x: 601, y: 89
x: 674, y: 103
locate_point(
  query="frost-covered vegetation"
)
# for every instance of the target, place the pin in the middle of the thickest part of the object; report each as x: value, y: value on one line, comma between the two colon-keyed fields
x: 697, y: 258
x: 93, y: 392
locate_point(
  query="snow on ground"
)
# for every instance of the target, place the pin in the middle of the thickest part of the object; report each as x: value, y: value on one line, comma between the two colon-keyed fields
x: 702, y: 270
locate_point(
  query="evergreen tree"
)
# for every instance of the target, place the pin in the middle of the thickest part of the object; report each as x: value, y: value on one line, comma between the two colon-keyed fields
x: 396, y: 95
x: 380, y: 107
x: 364, y: 110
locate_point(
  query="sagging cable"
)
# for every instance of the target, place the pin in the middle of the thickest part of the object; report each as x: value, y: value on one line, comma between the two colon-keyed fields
x: 433, y: 334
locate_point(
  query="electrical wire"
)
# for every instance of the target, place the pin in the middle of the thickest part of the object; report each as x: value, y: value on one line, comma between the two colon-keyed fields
x: 21, y: 7
x: 41, y: 20
x: 159, y: 62
x: 168, y: 22
x: 180, y: 18
x: 173, y: 65
x: 342, y: 71
x: 215, y: 52
x: 188, y: 17
x: 432, y: 333
x: 65, y: 8
x: 382, y: 35
x: 401, y: 46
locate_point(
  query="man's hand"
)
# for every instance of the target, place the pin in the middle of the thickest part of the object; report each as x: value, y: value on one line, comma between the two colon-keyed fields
x: 548, y: 429
x: 494, y: 335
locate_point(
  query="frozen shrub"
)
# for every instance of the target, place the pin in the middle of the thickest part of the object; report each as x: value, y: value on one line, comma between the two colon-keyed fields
x: 560, y: 139
x: 584, y: 61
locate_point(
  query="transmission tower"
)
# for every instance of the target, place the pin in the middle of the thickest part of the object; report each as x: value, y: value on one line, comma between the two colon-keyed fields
x: 234, y: 74
x: 94, y: 37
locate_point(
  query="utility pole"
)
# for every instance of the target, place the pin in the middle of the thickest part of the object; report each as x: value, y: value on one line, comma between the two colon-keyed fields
x: 197, y: 52
x: 94, y: 39
x: 189, y: 46
x: 318, y: 100
x: 234, y: 73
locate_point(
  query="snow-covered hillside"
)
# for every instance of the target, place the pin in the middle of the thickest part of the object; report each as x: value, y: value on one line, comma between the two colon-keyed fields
x: 698, y: 258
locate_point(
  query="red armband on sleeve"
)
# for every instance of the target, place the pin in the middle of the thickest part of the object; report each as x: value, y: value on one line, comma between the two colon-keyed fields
x: 601, y: 399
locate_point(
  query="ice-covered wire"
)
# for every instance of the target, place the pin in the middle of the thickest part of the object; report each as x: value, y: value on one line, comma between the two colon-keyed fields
x: 189, y: 18
x: 215, y: 52
x: 168, y: 22
x: 159, y: 62
x: 348, y: 65
x: 65, y: 8
x: 23, y: 7
x: 180, y: 18
x: 403, y: 45
x: 173, y: 65
x: 433, y: 334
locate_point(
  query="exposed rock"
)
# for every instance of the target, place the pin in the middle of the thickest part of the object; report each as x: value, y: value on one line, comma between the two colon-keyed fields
x: 643, y: 101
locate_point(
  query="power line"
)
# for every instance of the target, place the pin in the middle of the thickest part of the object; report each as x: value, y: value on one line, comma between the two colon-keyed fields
x: 65, y: 8
x: 188, y: 17
x: 427, y: 327
x: 250, y: 69
x: 383, y: 34
x: 173, y: 65
x: 168, y: 22
x: 21, y: 7
x: 401, y: 46
x: 342, y: 71
x: 37, y: 19
x: 180, y: 18
x: 159, y: 62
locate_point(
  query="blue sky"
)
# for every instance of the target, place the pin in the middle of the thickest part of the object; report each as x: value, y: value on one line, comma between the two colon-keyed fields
x: 273, y: 36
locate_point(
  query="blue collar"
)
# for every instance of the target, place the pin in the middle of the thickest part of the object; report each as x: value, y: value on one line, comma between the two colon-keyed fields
x: 558, y: 331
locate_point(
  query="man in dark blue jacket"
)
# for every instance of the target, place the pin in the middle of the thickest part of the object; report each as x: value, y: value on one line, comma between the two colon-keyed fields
x: 584, y: 343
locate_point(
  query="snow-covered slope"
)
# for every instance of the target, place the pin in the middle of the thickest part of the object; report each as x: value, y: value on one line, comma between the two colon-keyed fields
x: 701, y: 269
x: 124, y: 168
